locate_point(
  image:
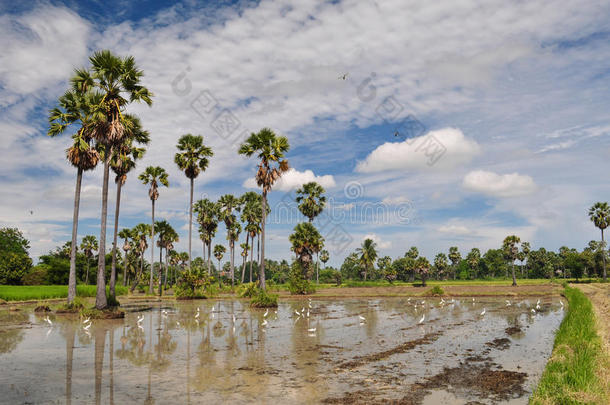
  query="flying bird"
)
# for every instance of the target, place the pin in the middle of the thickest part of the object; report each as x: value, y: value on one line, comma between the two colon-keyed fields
x: 343, y: 76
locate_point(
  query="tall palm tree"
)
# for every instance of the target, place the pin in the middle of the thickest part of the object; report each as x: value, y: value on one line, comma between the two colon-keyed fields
x: 233, y: 236
x: 207, y: 216
x: 511, y: 252
x: 440, y: 262
x: 219, y: 251
x: 88, y: 245
x: 139, y: 235
x: 251, y: 216
x: 153, y: 175
x: 311, y: 200
x: 324, y: 256
x: 368, y: 255
x: 525, y: 250
x: 174, y: 259
x: 118, y: 80
x: 455, y: 257
x: 306, y: 240
x: 122, y: 162
x: 76, y: 106
x: 473, y: 258
x: 228, y: 203
x: 125, y: 234
x: 245, y: 248
x: 192, y: 158
x: 270, y: 149
x: 167, y: 237
x: 422, y: 266
x: 599, y: 214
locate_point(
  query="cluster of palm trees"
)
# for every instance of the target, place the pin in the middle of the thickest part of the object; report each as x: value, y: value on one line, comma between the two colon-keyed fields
x: 95, y: 105
x: 599, y: 214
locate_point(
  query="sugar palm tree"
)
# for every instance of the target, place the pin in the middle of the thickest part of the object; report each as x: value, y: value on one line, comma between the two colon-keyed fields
x: 473, y: 258
x: 511, y: 252
x: 455, y: 257
x: 219, y: 251
x: 440, y: 262
x: 153, y: 175
x: 245, y: 248
x: 270, y: 149
x: 167, y: 237
x: 118, y: 80
x: 368, y: 255
x: 76, y: 106
x: 599, y: 214
x: 125, y: 234
x: 174, y: 259
x: 422, y: 266
x: 88, y: 245
x: 311, y: 200
x: 324, y: 257
x: 228, y: 203
x: 306, y: 240
x: 207, y: 216
x: 122, y: 162
x: 192, y: 158
x: 525, y: 250
x: 251, y: 216
x: 139, y: 235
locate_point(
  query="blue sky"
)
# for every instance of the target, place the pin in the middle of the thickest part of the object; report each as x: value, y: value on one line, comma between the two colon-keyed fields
x: 510, y: 101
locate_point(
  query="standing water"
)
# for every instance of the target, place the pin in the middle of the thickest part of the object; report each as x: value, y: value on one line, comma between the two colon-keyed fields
x: 420, y: 351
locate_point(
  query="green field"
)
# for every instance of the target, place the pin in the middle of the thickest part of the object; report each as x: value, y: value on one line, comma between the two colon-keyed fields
x: 571, y: 375
x: 41, y: 292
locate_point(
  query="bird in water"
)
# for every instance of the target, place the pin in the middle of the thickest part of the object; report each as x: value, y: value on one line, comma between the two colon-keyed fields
x: 47, y: 320
x: 362, y: 319
x: 422, y: 319
x: 507, y: 303
x: 86, y: 327
x: 140, y: 319
x: 311, y: 330
x: 483, y: 312
x: 264, y: 323
x: 266, y: 313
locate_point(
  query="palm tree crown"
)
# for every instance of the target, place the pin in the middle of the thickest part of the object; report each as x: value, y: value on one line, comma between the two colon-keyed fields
x: 193, y: 155
x: 311, y: 200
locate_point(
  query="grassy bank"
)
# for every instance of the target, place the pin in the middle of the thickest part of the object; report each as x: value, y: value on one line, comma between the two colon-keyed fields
x: 41, y: 292
x: 573, y: 374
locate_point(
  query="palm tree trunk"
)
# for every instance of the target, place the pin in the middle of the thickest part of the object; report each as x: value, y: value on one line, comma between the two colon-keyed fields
x: 136, y: 281
x: 191, y: 222
x: 317, y: 268
x: 210, y: 257
x: 152, y: 249
x: 166, y: 254
x: 232, y: 247
x: 514, y: 279
x: 251, y: 259
x: 219, y: 284
x: 604, y: 255
x: 72, y: 277
x: 160, y: 271
x: 87, y: 275
x: 100, y: 296
x: 114, y: 239
x: 243, y: 267
x: 262, y: 263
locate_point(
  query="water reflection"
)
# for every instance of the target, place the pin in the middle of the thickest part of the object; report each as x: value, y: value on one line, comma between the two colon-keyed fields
x: 214, y: 351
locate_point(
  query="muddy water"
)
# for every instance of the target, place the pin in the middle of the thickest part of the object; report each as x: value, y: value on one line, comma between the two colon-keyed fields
x: 455, y: 355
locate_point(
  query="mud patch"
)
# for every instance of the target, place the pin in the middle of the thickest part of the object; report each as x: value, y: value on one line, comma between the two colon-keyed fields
x: 513, y: 330
x: 42, y: 308
x: 359, y: 361
x: 499, y: 343
x: 472, y: 380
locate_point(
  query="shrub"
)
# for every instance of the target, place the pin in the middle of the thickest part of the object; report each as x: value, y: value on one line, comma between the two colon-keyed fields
x: 436, y: 290
x: 247, y: 290
x: 13, y: 266
x: 192, y: 285
x: 76, y: 305
x: 297, y: 284
x: 264, y: 300
x: 36, y: 276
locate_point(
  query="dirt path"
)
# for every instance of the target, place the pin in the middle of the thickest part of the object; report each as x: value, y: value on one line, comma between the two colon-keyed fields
x: 599, y: 294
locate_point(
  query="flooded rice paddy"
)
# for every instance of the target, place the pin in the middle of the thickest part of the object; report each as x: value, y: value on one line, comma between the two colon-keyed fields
x: 343, y: 351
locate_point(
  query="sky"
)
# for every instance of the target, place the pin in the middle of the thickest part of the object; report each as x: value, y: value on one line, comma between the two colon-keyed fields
x: 430, y: 124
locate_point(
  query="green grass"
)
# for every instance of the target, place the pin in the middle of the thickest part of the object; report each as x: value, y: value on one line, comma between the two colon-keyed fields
x: 571, y: 375
x: 42, y: 292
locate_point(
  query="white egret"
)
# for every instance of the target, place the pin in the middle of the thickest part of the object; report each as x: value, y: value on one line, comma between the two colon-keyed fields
x: 87, y: 320
x: 266, y: 313
x: 264, y: 322
x: 297, y: 312
x: 483, y: 312
x: 311, y: 330
x: 233, y: 318
x: 197, y: 315
x: 362, y: 318
x: 140, y: 319
x: 533, y: 311
x: 422, y: 319
x: 48, y: 321
x: 308, y: 313
x: 87, y: 327
x: 507, y: 303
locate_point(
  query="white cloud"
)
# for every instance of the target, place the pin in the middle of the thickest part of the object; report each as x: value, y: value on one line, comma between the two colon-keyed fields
x: 381, y: 244
x: 455, y: 230
x: 293, y: 179
x: 499, y: 185
x: 395, y: 200
x: 441, y: 149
